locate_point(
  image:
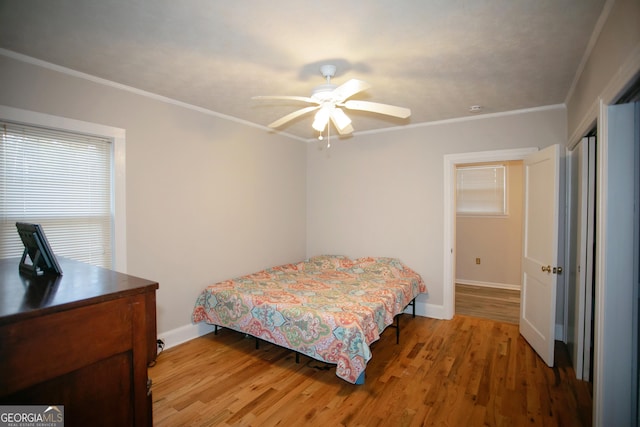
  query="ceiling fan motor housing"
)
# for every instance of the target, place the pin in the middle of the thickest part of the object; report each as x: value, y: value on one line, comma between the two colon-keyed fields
x: 328, y: 71
x: 323, y: 92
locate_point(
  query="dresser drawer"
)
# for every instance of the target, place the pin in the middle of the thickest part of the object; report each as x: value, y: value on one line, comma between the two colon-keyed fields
x: 96, y: 395
x: 38, y: 349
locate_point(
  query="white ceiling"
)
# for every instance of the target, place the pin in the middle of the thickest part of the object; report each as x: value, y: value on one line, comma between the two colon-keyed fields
x: 436, y: 57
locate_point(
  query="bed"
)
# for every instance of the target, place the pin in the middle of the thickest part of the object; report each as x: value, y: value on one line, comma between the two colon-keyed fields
x: 328, y: 307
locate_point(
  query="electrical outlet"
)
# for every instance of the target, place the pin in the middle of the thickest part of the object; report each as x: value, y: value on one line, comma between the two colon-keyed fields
x: 477, y: 260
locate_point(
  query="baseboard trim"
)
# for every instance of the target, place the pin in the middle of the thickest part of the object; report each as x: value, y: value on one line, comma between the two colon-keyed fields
x: 425, y: 309
x: 184, y: 333
x: 488, y: 284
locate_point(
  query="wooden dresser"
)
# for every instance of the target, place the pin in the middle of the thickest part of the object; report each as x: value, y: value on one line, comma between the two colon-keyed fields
x: 82, y: 340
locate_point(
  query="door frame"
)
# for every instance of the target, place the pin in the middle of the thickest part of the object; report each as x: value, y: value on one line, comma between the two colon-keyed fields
x: 611, y: 375
x: 450, y: 163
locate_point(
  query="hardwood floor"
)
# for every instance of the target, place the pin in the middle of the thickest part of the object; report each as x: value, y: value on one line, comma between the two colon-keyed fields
x: 502, y: 305
x: 462, y: 372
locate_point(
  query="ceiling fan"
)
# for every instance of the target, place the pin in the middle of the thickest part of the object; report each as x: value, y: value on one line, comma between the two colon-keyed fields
x: 329, y: 99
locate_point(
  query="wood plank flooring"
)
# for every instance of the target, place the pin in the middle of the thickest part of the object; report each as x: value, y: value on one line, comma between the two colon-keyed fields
x: 502, y: 305
x: 462, y: 372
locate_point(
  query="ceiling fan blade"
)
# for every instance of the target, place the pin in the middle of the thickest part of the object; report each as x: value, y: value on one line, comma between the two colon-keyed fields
x: 286, y: 98
x: 346, y: 130
x: 349, y: 89
x: 340, y: 119
x: 292, y: 116
x: 375, y: 107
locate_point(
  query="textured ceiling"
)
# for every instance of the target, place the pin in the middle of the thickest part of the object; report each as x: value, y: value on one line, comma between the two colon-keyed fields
x: 436, y: 57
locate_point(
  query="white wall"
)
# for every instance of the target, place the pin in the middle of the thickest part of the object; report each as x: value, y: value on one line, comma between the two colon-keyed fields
x: 613, y: 61
x: 207, y: 198
x: 244, y: 189
x: 382, y: 194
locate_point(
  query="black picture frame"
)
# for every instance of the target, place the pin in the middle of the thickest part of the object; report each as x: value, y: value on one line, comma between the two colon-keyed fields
x: 37, y: 259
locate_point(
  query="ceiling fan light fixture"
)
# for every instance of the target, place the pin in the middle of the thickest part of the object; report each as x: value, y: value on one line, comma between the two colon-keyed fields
x: 321, y: 119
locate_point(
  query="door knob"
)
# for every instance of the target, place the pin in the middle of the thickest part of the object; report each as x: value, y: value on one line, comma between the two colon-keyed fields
x: 547, y: 268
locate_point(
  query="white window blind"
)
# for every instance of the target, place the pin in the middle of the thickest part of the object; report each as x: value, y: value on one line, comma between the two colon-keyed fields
x: 481, y: 190
x: 62, y: 181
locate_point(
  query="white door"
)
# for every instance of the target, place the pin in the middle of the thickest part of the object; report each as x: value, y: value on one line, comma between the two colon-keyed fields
x: 541, y: 224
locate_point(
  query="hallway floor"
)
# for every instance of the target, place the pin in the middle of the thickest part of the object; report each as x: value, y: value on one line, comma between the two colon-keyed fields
x: 502, y: 305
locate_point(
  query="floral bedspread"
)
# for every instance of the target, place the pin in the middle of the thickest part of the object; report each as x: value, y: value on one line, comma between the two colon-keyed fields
x: 330, y: 308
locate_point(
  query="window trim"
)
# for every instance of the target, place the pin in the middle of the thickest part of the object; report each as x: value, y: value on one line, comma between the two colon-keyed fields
x: 117, y: 137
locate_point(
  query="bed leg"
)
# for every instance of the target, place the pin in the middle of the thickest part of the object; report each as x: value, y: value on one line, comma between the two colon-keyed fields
x: 360, y: 379
x: 215, y: 329
x: 413, y: 305
x: 398, y: 329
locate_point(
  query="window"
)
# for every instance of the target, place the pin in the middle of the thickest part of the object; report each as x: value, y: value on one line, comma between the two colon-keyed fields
x: 481, y: 190
x: 63, y: 180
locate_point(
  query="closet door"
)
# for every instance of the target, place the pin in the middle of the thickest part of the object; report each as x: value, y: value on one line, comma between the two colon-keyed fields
x: 583, y: 298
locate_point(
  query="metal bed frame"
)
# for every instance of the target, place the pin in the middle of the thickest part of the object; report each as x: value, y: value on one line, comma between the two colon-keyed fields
x: 360, y: 380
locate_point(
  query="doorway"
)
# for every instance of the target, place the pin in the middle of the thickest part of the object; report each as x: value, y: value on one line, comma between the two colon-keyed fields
x: 451, y: 161
x: 488, y: 228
